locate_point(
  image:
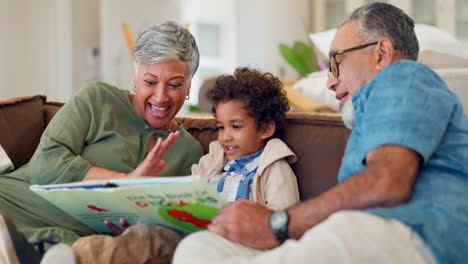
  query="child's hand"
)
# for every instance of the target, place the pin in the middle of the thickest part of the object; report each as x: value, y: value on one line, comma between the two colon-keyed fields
x: 117, y: 231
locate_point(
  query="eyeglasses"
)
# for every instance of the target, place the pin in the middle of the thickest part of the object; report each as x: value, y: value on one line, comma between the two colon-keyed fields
x: 333, y: 65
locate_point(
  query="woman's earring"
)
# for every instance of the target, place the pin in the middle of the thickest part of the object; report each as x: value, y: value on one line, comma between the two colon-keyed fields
x: 187, y: 97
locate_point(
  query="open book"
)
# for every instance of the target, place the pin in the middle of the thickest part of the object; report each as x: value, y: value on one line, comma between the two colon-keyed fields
x: 181, y: 203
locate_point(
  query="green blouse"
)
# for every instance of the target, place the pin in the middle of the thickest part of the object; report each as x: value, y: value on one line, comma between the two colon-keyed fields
x: 97, y: 127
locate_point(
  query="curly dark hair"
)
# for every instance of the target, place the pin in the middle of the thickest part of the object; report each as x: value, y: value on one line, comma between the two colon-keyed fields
x: 261, y: 93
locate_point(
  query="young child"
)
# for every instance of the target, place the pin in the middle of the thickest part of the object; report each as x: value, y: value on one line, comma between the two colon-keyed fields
x: 249, y: 160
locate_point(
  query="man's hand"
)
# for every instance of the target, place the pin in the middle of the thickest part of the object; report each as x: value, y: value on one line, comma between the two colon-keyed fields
x: 245, y: 222
x: 153, y: 163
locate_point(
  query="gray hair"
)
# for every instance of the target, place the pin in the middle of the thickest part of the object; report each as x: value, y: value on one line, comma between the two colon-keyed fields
x: 384, y: 20
x: 166, y: 42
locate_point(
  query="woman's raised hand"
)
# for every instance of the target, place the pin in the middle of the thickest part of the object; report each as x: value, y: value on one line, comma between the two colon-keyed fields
x: 153, y: 163
x: 150, y: 166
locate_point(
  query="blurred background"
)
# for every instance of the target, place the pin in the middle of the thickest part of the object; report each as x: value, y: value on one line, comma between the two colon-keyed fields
x: 52, y: 47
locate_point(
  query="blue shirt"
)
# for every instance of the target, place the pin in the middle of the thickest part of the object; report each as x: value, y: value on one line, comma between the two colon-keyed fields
x: 409, y: 105
x: 235, y: 180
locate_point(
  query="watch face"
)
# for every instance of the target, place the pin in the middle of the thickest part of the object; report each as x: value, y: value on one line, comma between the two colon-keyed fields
x: 278, y: 219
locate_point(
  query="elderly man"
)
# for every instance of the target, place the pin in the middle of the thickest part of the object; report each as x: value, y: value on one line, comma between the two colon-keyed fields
x: 402, y: 195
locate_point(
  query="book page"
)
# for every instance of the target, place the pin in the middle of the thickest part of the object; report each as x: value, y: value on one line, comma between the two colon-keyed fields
x: 186, y: 206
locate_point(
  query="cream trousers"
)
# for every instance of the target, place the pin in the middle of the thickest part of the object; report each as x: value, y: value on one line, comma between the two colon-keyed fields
x: 345, y: 237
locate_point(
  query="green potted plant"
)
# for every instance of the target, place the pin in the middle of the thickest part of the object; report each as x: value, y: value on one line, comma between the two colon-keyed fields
x: 300, y: 56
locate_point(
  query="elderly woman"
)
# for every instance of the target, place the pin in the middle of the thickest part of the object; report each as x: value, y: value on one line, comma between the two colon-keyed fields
x: 106, y: 132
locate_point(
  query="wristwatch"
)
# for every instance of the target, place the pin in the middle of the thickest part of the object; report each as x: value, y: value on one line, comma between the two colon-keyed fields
x: 279, y: 225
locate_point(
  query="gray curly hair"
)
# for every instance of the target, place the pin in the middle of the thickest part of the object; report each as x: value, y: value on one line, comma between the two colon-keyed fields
x: 384, y: 20
x: 166, y: 42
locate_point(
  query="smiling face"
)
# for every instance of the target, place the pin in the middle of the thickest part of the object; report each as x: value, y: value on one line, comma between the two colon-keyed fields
x: 160, y: 91
x: 238, y: 133
x: 356, y: 67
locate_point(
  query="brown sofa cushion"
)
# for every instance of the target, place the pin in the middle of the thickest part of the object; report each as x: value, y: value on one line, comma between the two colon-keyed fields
x: 203, y: 129
x: 21, y: 126
x: 318, y: 140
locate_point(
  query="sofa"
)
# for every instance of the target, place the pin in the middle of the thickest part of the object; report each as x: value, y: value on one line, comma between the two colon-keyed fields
x: 317, y: 139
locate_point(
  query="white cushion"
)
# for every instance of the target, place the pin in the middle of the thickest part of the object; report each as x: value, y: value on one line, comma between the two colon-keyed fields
x: 322, y: 41
x: 314, y: 86
x: 5, y: 163
x: 437, y: 48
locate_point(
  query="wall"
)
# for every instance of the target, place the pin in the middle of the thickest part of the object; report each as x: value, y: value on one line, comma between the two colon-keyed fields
x: 50, y: 46
x: 23, y: 51
x: 212, y: 12
x: 3, y: 47
x: 251, y: 33
x: 44, y: 46
x: 116, y: 67
x: 59, y: 31
x: 85, y: 42
x: 444, y: 12
x: 263, y: 25
x: 50, y: 42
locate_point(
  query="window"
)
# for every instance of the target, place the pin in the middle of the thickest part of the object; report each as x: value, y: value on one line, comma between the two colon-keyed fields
x: 211, y: 57
x: 424, y: 11
x: 461, y: 17
x: 209, y: 38
x: 372, y: 1
x: 335, y: 10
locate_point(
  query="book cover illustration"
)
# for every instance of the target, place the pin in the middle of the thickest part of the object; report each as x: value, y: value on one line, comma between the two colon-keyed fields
x: 180, y: 203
